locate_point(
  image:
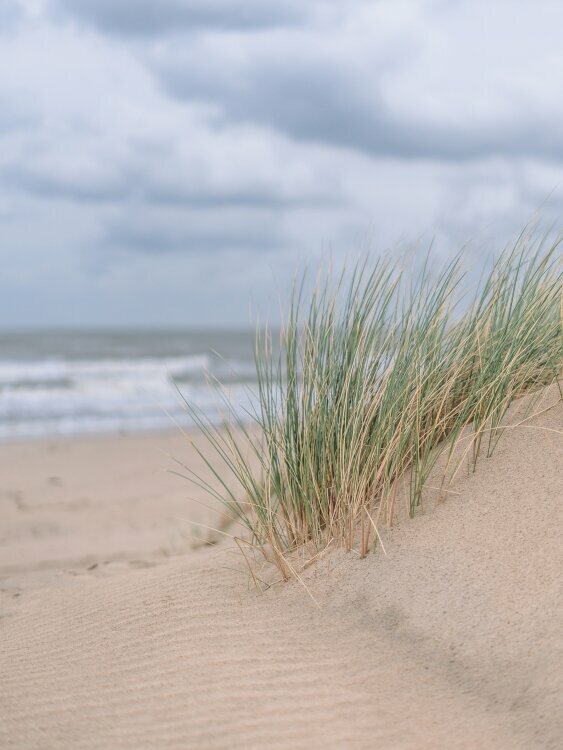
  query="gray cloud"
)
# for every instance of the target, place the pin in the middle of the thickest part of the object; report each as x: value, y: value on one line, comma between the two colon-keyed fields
x: 49, y: 185
x: 149, y: 17
x: 16, y: 114
x: 209, y: 198
x: 10, y: 13
x: 145, y: 186
x: 320, y: 102
x: 148, y: 236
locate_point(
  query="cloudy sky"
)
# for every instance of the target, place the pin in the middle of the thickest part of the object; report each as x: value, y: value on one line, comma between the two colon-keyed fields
x: 174, y: 162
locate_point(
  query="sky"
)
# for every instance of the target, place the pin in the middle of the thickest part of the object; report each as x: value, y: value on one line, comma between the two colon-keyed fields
x: 175, y: 162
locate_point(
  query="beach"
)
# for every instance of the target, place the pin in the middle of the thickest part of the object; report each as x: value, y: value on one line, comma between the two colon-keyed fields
x: 281, y: 375
x: 119, y: 631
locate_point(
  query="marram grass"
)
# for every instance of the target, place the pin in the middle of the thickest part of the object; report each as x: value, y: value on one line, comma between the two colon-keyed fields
x: 371, y: 373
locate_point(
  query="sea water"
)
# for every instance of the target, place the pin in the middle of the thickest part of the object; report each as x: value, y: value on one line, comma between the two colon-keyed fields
x: 83, y: 382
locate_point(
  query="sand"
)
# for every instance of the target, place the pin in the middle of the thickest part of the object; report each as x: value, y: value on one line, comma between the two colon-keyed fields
x: 115, y: 633
x: 111, y: 501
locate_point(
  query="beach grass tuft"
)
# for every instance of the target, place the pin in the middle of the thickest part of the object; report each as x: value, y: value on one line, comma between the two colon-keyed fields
x: 373, y: 376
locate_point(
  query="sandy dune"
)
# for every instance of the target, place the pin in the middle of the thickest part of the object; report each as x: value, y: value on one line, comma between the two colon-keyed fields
x: 451, y: 640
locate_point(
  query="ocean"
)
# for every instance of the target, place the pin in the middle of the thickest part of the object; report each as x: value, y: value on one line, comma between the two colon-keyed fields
x: 79, y: 382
